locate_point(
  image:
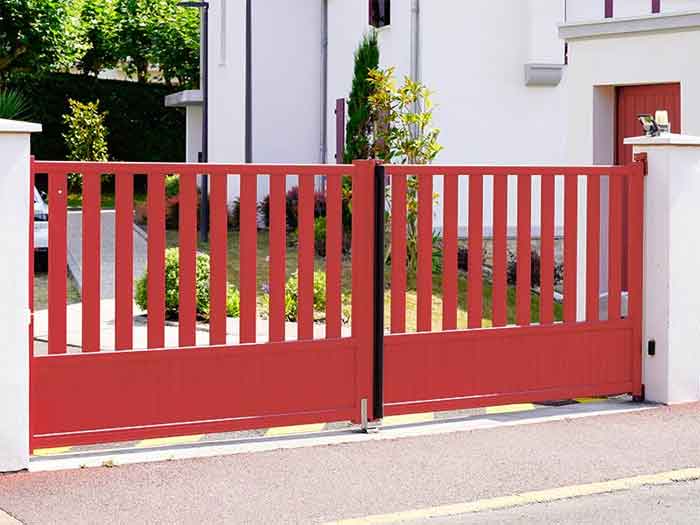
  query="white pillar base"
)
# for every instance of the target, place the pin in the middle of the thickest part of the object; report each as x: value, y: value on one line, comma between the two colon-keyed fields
x: 14, y: 294
x: 671, y: 265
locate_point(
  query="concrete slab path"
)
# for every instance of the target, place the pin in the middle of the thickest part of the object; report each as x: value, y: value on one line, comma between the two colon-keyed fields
x: 75, y: 250
x: 74, y: 315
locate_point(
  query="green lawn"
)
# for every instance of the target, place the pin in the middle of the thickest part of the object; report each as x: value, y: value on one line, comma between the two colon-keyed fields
x: 75, y: 200
x: 411, y: 298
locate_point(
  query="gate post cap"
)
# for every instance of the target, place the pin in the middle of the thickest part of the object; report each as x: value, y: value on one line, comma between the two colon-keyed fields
x: 18, y: 126
x: 665, y: 139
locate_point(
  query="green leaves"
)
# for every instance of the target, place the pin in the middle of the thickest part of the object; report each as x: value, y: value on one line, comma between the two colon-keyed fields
x: 40, y: 35
x: 149, y: 39
x: 359, y: 124
x: 86, y: 134
x: 13, y: 105
x: 402, y: 118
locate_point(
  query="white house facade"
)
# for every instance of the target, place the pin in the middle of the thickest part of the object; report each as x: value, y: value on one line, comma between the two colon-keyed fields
x: 515, y: 82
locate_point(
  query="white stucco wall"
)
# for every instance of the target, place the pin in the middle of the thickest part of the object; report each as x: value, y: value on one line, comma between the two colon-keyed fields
x: 193, y: 133
x: 627, y: 59
x: 227, y: 84
x: 485, y: 111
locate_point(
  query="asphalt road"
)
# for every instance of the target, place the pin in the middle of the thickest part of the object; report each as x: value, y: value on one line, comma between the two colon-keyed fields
x: 320, y: 484
x: 678, y: 503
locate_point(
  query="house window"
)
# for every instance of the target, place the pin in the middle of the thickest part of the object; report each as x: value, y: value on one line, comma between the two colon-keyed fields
x: 379, y: 13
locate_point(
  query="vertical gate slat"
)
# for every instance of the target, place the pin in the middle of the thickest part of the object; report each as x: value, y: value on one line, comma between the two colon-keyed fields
x: 218, y: 248
x: 425, y: 253
x: 334, y: 252
x: 58, y: 272
x: 523, y: 278
x: 398, y: 254
x: 615, y: 248
x: 156, y: 260
x: 91, y: 255
x: 124, y: 261
x: 187, y: 315
x: 248, y: 254
x: 306, y: 258
x: 570, y: 245
x: 500, y: 226
x: 547, y: 251
x: 476, y: 233
x: 635, y: 261
x: 449, y: 243
x: 278, y: 241
x: 593, y: 248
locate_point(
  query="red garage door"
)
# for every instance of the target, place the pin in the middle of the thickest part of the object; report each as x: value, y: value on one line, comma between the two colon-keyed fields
x: 635, y: 100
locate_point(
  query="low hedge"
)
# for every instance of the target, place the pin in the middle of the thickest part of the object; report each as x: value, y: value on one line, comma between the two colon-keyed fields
x: 140, y: 127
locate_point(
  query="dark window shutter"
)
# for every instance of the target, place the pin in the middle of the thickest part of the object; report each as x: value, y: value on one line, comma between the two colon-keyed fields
x: 379, y: 13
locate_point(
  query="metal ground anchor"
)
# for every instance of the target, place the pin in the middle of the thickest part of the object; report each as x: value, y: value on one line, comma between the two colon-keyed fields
x: 367, y: 426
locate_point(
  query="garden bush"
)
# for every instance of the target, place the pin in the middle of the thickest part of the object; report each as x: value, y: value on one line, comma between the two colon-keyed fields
x: 535, y: 265
x: 172, y: 288
x: 292, y: 208
x: 292, y: 292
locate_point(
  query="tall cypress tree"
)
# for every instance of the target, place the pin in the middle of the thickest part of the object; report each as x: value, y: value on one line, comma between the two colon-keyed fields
x: 359, y: 124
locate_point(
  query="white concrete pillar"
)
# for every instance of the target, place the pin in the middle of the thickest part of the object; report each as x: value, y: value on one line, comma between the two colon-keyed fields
x: 14, y: 294
x: 671, y: 265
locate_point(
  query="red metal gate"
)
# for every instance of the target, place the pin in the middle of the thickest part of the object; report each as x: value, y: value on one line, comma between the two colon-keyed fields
x: 102, y: 395
x: 531, y: 350
x: 529, y: 353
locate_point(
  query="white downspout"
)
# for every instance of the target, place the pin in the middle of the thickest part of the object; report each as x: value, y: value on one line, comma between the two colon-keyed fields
x: 415, y: 40
x: 324, y: 82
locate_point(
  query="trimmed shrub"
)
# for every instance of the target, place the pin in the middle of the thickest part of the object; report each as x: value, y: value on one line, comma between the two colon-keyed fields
x: 172, y: 288
x: 320, y: 236
x: 292, y: 292
x: 292, y: 208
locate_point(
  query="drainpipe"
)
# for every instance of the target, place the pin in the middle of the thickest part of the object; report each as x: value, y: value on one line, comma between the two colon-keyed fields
x: 324, y: 80
x: 415, y: 40
x: 248, y: 82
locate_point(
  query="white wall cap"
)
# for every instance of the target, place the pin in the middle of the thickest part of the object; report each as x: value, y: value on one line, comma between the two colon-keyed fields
x: 181, y: 99
x: 638, y: 24
x: 665, y: 139
x: 18, y: 126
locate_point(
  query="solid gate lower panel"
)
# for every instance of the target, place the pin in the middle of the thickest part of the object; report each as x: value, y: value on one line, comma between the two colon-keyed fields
x: 107, y: 397
x: 476, y: 368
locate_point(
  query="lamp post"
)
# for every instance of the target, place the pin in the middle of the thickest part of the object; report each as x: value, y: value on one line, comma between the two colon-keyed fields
x: 204, y: 86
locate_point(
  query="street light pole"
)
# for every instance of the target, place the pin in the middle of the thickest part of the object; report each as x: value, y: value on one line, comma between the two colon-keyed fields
x: 204, y: 86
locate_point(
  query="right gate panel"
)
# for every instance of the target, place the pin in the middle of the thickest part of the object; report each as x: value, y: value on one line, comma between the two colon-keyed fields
x: 495, y: 286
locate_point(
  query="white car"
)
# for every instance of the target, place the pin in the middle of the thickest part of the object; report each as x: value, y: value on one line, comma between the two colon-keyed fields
x: 41, y: 231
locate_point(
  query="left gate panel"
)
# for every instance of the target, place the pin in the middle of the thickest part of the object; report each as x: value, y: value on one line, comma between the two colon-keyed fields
x: 107, y: 397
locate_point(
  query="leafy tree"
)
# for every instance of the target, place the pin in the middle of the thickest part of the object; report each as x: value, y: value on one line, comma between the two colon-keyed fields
x: 38, y: 35
x: 359, y: 126
x: 99, y: 21
x: 175, y: 46
x: 160, y: 33
x: 133, y: 29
